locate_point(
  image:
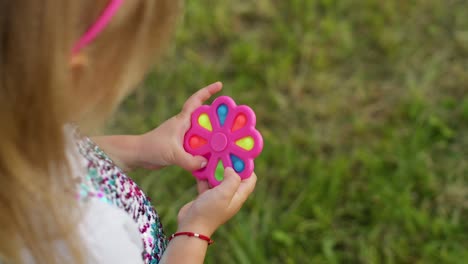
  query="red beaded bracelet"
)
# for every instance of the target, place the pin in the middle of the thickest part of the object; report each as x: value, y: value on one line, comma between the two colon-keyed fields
x: 191, y: 234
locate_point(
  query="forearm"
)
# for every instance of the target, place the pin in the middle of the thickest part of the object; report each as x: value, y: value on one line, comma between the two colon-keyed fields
x: 184, y: 249
x: 123, y: 150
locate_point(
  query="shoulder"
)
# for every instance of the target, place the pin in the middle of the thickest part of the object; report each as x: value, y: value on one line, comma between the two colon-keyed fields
x: 101, y: 180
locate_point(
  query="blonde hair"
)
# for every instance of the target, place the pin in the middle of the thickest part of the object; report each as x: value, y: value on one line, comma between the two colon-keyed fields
x: 40, y: 92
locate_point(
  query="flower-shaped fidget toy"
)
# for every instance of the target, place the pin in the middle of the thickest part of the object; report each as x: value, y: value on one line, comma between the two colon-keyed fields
x: 225, y: 135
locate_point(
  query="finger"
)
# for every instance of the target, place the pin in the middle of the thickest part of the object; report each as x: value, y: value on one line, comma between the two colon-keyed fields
x: 202, y: 186
x: 198, y: 98
x: 245, y: 189
x: 230, y: 184
x: 189, y: 162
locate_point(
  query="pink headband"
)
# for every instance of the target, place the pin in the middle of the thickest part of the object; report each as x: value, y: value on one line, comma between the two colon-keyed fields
x: 98, y: 26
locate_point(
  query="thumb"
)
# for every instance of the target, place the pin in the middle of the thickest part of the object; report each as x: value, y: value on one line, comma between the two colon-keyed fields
x: 189, y: 162
x: 230, y: 184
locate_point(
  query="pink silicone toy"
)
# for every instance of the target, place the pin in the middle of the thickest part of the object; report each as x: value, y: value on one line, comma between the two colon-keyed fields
x: 225, y: 135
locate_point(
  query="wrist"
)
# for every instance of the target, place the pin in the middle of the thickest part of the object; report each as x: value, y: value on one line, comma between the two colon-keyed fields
x: 140, y: 151
x: 146, y: 156
x: 201, y: 237
x: 199, y: 229
x: 132, y: 161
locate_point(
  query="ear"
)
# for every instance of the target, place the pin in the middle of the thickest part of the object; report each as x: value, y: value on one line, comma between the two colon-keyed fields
x: 78, y: 62
x: 77, y: 67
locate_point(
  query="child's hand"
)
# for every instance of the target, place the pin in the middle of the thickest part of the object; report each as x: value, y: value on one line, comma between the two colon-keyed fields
x: 163, y: 146
x: 213, y: 207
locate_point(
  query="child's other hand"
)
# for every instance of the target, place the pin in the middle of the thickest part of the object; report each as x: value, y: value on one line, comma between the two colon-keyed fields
x: 213, y: 207
x: 163, y: 146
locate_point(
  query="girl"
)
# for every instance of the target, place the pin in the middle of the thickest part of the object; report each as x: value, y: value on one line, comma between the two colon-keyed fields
x: 62, y: 199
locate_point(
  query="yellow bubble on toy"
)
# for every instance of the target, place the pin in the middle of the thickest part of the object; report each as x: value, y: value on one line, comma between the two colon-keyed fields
x: 246, y: 143
x: 204, y: 121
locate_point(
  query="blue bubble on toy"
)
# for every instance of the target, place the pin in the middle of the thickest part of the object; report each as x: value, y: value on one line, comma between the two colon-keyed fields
x: 237, y: 164
x: 222, y: 114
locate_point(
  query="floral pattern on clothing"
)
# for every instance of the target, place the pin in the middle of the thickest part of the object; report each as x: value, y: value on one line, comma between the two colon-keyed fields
x: 110, y: 184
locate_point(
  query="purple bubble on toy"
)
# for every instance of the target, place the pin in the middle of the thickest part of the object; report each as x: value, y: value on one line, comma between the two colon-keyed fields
x: 225, y: 135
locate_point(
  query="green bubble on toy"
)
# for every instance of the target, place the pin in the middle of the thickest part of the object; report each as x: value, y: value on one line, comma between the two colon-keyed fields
x: 219, y: 174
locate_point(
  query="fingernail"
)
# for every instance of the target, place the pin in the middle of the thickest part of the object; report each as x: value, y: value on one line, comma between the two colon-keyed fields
x: 203, y: 165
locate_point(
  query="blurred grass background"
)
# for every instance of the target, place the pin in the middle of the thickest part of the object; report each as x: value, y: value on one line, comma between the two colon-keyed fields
x: 363, y: 106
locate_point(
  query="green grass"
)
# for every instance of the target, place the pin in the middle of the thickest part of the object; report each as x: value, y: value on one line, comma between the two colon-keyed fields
x: 363, y: 106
